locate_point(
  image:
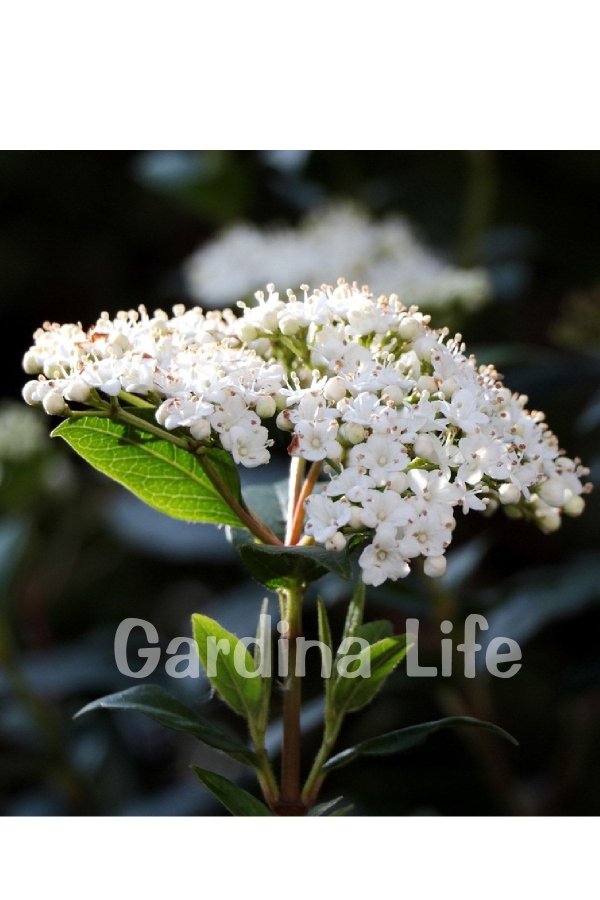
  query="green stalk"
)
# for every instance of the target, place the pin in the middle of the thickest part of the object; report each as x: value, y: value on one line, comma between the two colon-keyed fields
x: 290, y: 803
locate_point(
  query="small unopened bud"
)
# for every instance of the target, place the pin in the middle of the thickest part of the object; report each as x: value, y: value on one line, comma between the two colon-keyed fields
x: 30, y: 363
x: 394, y: 393
x: 266, y: 407
x: 449, y: 387
x: 424, y: 447
x: 336, y: 542
x: 200, y: 430
x: 352, y: 433
x: 575, y: 506
x: 54, y: 403
x: 552, y: 492
x: 270, y: 322
x: 30, y: 392
x: 398, y: 481
x: 290, y: 326
x: 427, y: 383
x: 409, y: 329
x: 549, y: 522
x: 78, y: 391
x: 248, y: 333
x: 284, y: 422
x: 335, y: 389
x: 509, y: 493
x: 355, y: 517
x: 435, y: 566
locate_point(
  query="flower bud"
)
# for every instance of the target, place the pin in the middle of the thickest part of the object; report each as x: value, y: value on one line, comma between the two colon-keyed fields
x: 409, y: 329
x: 30, y: 363
x: 336, y: 542
x: 266, y: 407
x: 78, y: 391
x: 54, y: 403
x: 30, y: 393
x: 435, y: 566
x: 200, y: 429
x: 284, y: 422
x: 355, y: 517
x: 248, y: 333
x: 509, y: 493
x: 424, y: 447
x: 335, y: 389
x: 549, y: 522
x: 427, y: 383
x: 352, y: 433
x: 398, y: 481
x: 574, y: 506
x: 393, y: 393
x: 552, y: 492
x: 449, y: 387
x: 290, y: 326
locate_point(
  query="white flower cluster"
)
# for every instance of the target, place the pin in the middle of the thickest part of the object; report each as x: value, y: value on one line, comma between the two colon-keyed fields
x: 340, y: 238
x: 190, y: 365
x: 409, y: 427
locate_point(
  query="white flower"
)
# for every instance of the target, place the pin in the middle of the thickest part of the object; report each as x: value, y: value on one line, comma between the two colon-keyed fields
x: 248, y: 446
x: 383, y: 559
x: 326, y: 516
x: 317, y: 440
x: 382, y: 508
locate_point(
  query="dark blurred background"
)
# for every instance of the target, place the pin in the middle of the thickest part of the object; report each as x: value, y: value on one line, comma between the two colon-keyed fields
x: 82, y: 232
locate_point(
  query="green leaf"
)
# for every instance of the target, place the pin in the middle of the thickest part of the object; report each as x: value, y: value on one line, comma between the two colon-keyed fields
x: 356, y: 609
x: 167, y: 478
x: 325, y: 638
x: 158, y: 704
x: 276, y: 567
x: 244, y: 695
x: 351, y: 694
x: 374, y: 631
x: 407, y: 738
x: 238, y: 801
x: 321, y: 808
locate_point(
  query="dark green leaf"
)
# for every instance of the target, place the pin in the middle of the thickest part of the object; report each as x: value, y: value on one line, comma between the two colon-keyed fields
x: 166, y: 477
x: 275, y: 567
x: 321, y: 808
x: 244, y: 695
x: 238, y: 801
x: 158, y: 704
x: 351, y: 694
x: 407, y: 738
x: 374, y: 631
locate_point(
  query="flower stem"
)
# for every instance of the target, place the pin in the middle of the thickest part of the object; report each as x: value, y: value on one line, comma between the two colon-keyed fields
x: 307, y: 489
x: 250, y: 519
x: 297, y: 467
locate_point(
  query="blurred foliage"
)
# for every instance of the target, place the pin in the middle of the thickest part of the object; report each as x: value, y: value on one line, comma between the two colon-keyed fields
x: 86, y: 231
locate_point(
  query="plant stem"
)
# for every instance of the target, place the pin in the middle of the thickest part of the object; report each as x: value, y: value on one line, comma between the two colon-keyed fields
x: 250, y: 520
x: 316, y: 776
x: 291, y: 803
x: 297, y: 467
x: 307, y: 489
